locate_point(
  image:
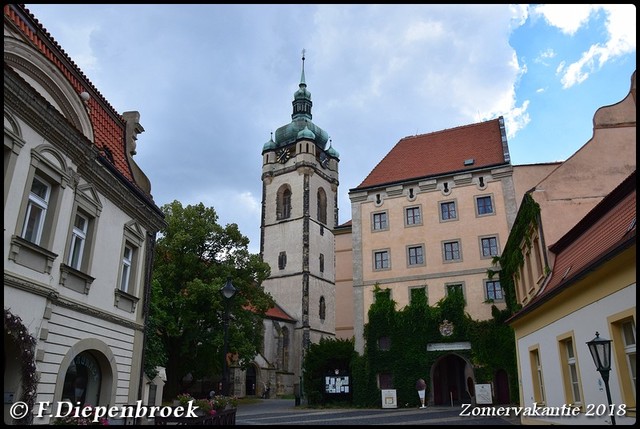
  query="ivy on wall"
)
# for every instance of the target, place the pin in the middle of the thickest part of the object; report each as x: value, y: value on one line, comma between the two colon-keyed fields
x: 512, y: 257
x: 410, y: 330
x: 25, y: 344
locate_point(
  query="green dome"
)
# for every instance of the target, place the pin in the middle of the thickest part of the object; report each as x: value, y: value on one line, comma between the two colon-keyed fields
x: 306, y: 134
x: 288, y: 134
x: 270, y: 145
x: 302, y: 93
x: 332, y: 152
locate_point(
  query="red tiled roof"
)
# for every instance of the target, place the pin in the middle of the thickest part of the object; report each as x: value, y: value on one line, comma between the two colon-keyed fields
x: 278, y: 313
x: 108, y: 126
x: 440, y: 152
x: 609, y: 225
x: 275, y: 312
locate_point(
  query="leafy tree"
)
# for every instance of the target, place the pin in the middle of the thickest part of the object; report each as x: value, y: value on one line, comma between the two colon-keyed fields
x: 194, y: 256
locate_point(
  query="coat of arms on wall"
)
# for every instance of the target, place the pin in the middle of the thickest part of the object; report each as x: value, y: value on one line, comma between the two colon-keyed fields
x: 446, y: 328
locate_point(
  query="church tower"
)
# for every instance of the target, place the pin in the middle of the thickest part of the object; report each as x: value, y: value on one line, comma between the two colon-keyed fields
x: 299, y: 214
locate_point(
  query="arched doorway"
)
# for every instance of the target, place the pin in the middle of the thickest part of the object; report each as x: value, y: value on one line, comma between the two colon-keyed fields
x: 250, y: 381
x: 448, y: 381
x: 501, y: 386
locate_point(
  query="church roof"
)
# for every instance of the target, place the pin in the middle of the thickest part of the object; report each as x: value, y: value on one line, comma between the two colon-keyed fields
x: 452, y: 150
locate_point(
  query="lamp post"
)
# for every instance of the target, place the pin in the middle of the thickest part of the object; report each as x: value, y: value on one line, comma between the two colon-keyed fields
x: 601, y: 353
x: 228, y: 291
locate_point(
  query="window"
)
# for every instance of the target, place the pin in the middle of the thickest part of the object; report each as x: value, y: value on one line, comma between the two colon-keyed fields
x: 384, y: 343
x: 385, y: 380
x: 322, y: 312
x: 454, y: 288
x: 78, y: 239
x: 82, y: 381
x: 623, y: 351
x: 126, y: 293
x: 489, y: 247
x: 321, y: 258
x: 570, y: 372
x: 536, y: 376
x: 283, y: 203
x: 493, y: 290
x: 284, y: 355
x: 448, y: 211
x: 127, y: 259
x: 282, y: 260
x: 484, y: 205
x: 381, y: 260
x: 415, y: 255
x: 33, y: 239
x: 629, y: 341
x: 322, y: 206
x: 36, y: 210
x: 76, y: 269
x: 412, y: 216
x: 380, y: 221
x: 382, y: 294
x: 451, y: 251
x: 417, y: 294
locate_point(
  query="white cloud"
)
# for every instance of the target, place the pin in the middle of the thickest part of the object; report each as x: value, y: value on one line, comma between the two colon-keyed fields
x: 620, y: 23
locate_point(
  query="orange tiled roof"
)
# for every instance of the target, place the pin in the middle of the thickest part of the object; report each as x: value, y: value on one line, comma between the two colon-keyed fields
x: 441, y: 152
x: 108, y: 126
x: 275, y: 312
x: 607, y: 227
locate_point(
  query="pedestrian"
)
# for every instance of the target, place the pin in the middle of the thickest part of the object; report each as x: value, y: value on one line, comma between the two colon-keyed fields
x: 421, y: 386
x: 212, y: 394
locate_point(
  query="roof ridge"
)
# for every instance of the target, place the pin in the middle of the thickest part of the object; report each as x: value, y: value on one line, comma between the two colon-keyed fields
x: 475, y: 124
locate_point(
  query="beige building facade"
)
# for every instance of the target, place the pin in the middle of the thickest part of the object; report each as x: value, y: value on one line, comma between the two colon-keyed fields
x: 433, y: 228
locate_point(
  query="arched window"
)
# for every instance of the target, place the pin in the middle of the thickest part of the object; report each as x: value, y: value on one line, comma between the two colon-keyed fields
x: 82, y: 381
x: 322, y: 206
x: 323, y: 309
x: 283, y: 204
x: 282, y: 260
x: 285, y: 348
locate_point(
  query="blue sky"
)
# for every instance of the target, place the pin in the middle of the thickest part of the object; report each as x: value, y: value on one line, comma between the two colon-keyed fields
x: 212, y: 81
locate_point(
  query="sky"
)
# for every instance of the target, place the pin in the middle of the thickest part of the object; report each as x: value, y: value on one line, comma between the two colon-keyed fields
x: 213, y: 81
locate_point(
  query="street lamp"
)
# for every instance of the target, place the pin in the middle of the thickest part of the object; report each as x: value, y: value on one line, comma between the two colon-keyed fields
x: 601, y: 353
x: 228, y: 291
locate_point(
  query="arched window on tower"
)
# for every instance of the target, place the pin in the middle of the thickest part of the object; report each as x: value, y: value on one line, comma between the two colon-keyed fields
x: 322, y: 206
x: 323, y: 309
x: 283, y: 203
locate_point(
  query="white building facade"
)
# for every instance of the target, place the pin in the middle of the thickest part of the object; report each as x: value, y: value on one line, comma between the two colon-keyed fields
x: 79, y: 232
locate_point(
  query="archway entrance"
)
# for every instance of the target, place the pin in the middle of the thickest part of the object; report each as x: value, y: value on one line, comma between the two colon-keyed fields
x: 449, y: 384
x: 250, y: 381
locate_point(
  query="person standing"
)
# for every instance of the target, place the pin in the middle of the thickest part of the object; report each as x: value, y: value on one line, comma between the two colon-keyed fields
x: 421, y: 386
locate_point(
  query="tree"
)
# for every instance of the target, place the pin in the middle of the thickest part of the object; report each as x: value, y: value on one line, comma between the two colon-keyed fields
x: 193, y: 258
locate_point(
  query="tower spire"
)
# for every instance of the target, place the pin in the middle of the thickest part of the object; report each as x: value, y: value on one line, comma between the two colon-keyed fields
x: 302, y: 81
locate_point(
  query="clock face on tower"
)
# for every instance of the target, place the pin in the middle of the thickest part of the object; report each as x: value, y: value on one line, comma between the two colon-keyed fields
x: 283, y: 155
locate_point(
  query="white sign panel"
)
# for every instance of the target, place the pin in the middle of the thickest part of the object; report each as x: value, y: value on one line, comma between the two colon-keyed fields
x: 389, y: 399
x: 436, y: 347
x: 483, y: 394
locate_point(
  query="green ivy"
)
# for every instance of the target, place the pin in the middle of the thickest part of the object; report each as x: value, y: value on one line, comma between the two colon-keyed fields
x: 409, y: 331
